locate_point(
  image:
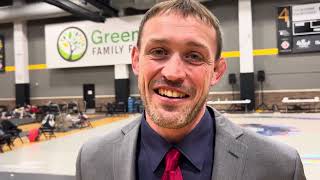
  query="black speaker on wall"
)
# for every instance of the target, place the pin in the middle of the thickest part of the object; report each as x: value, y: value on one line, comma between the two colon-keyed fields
x: 261, y: 76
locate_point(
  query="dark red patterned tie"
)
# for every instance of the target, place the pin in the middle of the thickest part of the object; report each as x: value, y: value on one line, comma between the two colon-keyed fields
x: 172, y: 170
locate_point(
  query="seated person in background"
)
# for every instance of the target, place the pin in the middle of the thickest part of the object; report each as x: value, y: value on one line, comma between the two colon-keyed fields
x: 18, y: 112
x: 48, y: 121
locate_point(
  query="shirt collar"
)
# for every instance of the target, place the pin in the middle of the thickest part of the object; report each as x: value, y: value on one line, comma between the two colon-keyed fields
x: 197, y: 143
x: 155, y: 146
x: 200, y: 138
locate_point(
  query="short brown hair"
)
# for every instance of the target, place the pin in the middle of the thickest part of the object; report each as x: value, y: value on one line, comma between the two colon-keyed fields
x: 185, y: 8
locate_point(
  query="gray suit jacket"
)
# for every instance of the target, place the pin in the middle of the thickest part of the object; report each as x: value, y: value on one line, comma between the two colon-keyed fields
x: 239, y: 155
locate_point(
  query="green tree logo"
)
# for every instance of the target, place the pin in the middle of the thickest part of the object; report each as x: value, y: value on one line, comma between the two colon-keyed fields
x: 72, y: 44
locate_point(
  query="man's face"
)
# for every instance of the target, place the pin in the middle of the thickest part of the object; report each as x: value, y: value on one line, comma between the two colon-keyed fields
x: 175, y: 67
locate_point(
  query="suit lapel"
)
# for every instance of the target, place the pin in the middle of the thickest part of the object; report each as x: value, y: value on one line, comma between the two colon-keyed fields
x: 125, y: 152
x: 230, y: 154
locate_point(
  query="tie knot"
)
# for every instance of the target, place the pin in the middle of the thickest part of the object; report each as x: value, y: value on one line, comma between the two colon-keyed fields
x: 172, y: 159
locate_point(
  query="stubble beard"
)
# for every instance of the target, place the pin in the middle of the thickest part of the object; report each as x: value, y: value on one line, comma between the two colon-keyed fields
x: 171, y: 121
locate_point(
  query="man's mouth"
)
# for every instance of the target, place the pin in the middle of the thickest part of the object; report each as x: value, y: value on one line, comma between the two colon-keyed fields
x: 170, y: 93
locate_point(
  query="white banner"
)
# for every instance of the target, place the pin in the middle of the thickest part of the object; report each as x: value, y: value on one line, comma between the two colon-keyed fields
x: 306, y: 12
x: 85, y: 43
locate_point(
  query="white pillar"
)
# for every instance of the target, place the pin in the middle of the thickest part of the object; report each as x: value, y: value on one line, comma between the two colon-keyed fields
x: 21, y: 56
x: 21, y: 59
x: 20, y: 44
x: 246, y: 53
x: 245, y: 36
x: 121, y: 71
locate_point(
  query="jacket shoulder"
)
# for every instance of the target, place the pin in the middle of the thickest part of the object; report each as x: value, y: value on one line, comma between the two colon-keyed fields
x: 265, y: 157
x: 106, y: 141
x: 96, y: 156
x: 271, y: 158
x: 252, y: 140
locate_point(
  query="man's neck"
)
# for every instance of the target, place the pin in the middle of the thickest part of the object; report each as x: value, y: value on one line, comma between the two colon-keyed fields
x: 175, y: 135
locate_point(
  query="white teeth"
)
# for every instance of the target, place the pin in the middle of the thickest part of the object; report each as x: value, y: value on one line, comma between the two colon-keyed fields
x: 160, y: 91
x: 170, y: 93
x: 175, y: 94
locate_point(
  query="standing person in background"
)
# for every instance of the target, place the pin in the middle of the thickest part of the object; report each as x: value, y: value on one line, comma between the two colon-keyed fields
x: 177, y: 59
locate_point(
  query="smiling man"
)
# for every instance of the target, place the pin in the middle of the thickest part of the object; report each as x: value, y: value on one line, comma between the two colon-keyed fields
x: 177, y: 59
x: 176, y: 65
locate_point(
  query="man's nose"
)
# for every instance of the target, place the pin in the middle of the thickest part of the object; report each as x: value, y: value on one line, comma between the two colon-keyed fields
x: 174, y: 69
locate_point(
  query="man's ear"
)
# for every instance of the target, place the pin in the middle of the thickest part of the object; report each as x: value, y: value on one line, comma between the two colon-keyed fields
x: 220, y: 67
x: 135, y: 60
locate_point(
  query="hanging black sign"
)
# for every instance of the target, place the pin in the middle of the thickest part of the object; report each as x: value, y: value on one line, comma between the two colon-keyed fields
x: 310, y: 43
x: 298, y: 28
x: 2, y: 57
x: 284, y: 30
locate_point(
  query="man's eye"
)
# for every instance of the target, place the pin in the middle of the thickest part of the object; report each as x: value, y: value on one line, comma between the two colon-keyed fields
x: 158, y: 53
x: 194, y: 58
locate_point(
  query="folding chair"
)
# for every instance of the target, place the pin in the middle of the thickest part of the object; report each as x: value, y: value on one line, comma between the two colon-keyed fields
x: 5, y: 139
x: 48, y: 126
x: 10, y: 128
